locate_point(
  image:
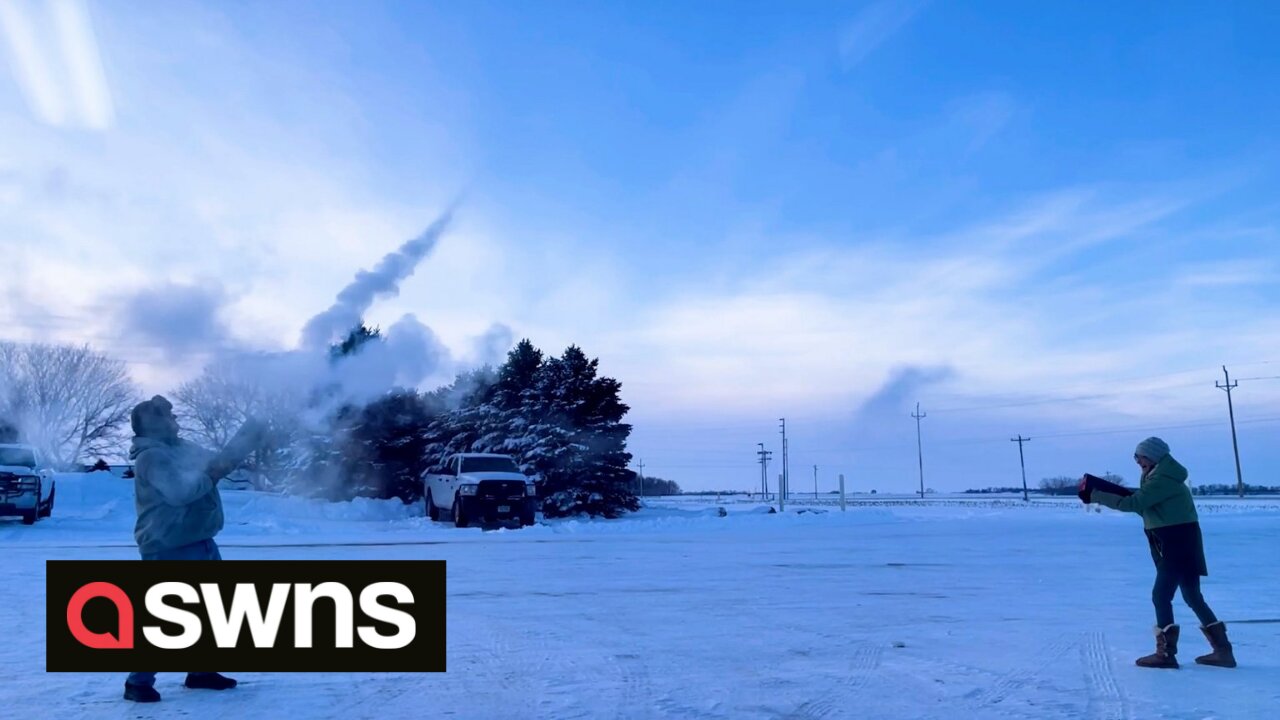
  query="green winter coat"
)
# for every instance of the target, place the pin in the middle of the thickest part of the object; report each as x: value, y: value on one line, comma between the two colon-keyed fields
x: 177, y: 499
x: 1163, y: 498
x: 1168, y: 515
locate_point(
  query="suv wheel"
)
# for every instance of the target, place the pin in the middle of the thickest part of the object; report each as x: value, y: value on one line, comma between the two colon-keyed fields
x: 48, y: 507
x: 460, y: 518
x: 433, y: 512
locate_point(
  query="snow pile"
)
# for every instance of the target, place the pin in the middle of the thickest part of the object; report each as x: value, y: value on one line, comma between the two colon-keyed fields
x: 258, y: 506
x: 93, y: 496
x: 104, y: 502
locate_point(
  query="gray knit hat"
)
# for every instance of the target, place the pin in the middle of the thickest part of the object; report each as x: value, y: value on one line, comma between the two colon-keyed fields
x: 1153, y: 448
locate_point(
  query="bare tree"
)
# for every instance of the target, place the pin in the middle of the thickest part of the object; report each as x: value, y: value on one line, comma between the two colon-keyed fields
x: 213, y: 406
x: 70, y: 401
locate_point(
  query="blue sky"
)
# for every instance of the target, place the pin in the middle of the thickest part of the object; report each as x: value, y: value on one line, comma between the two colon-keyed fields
x: 1039, y: 218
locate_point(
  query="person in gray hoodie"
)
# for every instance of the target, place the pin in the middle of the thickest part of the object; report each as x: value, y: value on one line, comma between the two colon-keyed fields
x: 179, y: 507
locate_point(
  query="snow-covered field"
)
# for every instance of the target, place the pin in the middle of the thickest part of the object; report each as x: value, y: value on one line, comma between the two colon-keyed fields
x: 957, y: 608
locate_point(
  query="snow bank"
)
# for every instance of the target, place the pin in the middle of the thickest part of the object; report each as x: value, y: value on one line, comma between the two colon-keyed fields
x: 93, y: 496
x: 101, y: 501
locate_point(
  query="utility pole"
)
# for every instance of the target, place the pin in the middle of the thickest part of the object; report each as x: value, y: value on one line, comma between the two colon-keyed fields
x: 1020, y: 440
x: 782, y: 501
x: 764, y: 469
x: 919, y: 445
x: 842, y: 492
x: 640, y: 477
x: 815, y: 482
x: 784, y: 488
x: 1231, y: 411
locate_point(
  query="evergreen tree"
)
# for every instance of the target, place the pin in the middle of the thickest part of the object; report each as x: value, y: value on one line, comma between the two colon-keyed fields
x: 577, y: 440
x: 382, y: 455
x: 506, y: 427
x: 355, y: 340
x: 319, y: 463
x: 466, y: 416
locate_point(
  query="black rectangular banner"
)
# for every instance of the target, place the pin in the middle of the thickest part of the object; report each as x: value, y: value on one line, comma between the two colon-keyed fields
x: 247, y: 615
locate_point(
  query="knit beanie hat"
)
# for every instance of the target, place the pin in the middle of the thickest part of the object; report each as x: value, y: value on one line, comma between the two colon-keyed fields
x: 1153, y: 448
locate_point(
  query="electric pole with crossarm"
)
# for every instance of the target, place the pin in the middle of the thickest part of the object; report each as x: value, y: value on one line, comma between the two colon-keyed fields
x: 1231, y: 412
x: 919, y: 445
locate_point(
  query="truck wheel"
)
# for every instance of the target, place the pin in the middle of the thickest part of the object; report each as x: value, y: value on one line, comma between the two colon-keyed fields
x: 433, y: 512
x: 527, y: 517
x: 48, y: 508
x: 29, y: 518
x: 460, y: 518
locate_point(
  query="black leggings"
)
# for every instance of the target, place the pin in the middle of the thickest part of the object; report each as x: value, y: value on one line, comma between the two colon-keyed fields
x: 1168, y: 580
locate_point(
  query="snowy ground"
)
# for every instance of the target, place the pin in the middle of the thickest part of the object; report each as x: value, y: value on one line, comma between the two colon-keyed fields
x: 979, y: 608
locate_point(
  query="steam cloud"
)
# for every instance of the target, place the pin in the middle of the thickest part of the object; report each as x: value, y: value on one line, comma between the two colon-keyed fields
x: 896, y: 396
x: 369, y: 285
x: 179, y: 319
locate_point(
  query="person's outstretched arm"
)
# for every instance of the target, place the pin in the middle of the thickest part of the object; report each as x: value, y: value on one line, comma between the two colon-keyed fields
x: 1143, y: 498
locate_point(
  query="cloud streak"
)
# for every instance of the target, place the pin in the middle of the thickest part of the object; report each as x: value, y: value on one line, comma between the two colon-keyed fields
x: 873, y: 26
x: 57, y: 63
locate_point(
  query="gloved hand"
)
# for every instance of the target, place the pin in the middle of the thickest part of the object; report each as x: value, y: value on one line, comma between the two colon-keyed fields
x: 1085, y: 488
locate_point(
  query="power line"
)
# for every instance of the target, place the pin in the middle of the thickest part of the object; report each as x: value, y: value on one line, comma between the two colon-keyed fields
x: 991, y: 441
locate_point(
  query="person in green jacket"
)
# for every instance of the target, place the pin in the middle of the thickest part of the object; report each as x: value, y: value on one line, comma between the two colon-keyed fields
x: 1177, y: 548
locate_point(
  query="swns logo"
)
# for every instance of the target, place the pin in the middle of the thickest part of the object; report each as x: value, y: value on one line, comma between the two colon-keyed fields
x: 256, y: 616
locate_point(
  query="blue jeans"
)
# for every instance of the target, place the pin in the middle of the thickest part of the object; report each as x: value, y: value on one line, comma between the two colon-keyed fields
x: 203, y: 550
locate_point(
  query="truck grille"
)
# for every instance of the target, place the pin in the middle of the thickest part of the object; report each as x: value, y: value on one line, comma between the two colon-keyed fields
x: 501, y: 490
x: 10, y: 483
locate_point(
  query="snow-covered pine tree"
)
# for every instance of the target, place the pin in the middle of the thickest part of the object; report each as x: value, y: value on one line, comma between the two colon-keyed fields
x: 506, y: 425
x: 315, y: 461
x: 577, y: 440
x: 467, y: 416
x: 382, y: 455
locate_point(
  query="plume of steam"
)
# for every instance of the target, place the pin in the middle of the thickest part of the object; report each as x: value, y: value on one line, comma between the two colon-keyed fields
x: 900, y: 390
x: 491, y: 347
x: 369, y: 285
x: 409, y: 354
x: 177, y: 318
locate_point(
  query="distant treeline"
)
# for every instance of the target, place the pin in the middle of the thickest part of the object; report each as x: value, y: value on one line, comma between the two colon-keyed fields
x: 656, y: 487
x: 1223, y: 489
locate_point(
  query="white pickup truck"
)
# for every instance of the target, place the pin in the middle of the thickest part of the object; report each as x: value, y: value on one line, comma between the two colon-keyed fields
x: 26, y: 485
x: 479, y: 487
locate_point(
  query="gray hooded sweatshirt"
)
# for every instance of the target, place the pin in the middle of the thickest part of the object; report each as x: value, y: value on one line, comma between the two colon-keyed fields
x: 178, y: 503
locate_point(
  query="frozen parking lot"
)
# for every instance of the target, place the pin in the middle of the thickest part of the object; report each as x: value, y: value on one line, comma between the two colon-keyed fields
x: 954, y: 610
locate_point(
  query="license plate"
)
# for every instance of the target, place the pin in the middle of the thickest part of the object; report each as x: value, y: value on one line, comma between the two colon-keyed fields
x: 504, y: 508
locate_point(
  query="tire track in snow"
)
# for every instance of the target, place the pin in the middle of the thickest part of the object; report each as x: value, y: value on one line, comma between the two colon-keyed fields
x: 637, y: 686
x: 862, y: 664
x: 1016, y: 680
x: 1106, y: 701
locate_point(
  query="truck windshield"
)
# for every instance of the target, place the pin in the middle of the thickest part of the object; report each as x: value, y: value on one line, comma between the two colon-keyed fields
x: 489, y: 464
x: 17, y: 456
